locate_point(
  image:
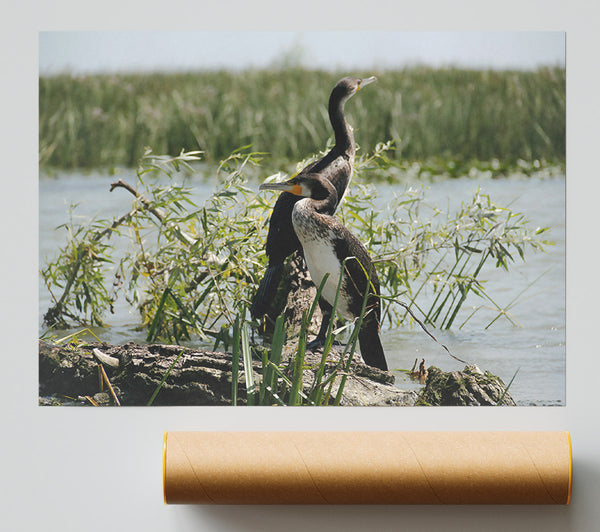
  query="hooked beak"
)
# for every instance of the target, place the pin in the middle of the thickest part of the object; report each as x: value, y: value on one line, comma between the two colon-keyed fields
x: 286, y: 186
x: 365, y: 82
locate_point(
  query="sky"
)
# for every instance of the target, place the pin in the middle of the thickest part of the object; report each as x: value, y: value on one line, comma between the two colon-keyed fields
x: 117, y: 51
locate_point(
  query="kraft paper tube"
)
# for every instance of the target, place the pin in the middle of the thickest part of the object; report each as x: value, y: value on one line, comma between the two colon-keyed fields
x: 367, y: 467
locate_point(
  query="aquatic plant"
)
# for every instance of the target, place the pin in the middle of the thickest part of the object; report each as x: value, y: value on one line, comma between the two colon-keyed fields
x: 188, y: 265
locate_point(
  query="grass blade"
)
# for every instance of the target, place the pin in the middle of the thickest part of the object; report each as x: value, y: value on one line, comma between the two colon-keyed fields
x: 269, y: 380
x: 352, y: 342
x: 165, y: 376
x: 248, y: 371
x: 507, y: 387
x: 299, y: 363
x: 235, y: 362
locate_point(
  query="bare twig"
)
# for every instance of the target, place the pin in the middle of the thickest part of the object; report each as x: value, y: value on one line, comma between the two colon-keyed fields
x: 145, y: 202
x: 91, y: 400
x: 112, y: 391
x: 429, y: 334
x: 106, y: 359
x: 183, y: 237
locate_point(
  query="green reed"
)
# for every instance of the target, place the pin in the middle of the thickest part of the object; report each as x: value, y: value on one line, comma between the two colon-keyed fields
x: 449, y: 114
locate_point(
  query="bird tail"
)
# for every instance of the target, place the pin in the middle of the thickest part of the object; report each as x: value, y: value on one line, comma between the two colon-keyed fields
x: 370, y: 345
x: 266, y: 291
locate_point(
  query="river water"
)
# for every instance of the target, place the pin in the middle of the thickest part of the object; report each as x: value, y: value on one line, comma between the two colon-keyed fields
x: 535, y: 350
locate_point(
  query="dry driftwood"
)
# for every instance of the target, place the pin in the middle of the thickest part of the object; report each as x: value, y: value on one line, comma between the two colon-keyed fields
x: 196, y: 378
x: 204, y: 378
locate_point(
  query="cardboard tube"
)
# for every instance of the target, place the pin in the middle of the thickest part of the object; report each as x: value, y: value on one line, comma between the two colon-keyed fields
x: 367, y: 467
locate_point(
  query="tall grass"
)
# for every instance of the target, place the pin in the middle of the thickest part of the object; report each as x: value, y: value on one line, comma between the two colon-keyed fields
x: 288, y: 383
x: 107, y: 120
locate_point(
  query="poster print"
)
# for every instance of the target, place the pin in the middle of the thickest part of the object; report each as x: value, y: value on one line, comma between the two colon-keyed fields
x: 285, y: 219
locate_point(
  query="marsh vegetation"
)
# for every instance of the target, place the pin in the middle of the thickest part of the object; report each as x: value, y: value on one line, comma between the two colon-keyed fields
x: 446, y: 116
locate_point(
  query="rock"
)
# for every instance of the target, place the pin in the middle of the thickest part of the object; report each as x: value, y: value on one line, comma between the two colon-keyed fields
x: 470, y: 387
x: 364, y: 385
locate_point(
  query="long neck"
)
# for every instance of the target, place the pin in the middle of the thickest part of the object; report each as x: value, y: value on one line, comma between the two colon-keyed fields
x: 325, y: 198
x: 307, y: 211
x: 310, y: 218
x: 344, y: 138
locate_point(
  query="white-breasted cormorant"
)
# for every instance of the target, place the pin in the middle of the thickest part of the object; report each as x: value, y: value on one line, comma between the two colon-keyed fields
x: 336, y: 166
x: 326, y: 243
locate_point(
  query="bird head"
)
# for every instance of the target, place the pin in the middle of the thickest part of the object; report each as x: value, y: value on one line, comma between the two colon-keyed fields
x: 364, y: 82
x: 297, y: 185
x: 306, y: 185
x: 347, y: 87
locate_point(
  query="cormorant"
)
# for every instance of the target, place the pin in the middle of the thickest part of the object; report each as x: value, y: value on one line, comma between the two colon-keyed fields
x: 326, y: 243
x: 336, y: 166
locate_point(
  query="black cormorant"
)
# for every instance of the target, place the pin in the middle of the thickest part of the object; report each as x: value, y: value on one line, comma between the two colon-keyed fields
x: 336, y: 166
x: 326, y: 243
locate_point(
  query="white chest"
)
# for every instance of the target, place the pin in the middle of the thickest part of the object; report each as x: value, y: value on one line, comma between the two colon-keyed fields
x: 321, y: 259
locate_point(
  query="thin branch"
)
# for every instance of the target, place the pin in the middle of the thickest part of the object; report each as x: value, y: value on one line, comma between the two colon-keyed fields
x: 112, y: 391
x: 429, y: 334
x: 53, y: 313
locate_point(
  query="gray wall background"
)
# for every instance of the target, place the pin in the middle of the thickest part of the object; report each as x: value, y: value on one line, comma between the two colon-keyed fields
x: 100, y: 469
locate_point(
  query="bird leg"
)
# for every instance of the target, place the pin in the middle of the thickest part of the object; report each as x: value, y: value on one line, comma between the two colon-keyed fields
x: 319, y: 341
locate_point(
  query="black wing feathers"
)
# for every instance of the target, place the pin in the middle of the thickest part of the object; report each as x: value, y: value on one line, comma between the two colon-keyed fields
x: 358, y: 269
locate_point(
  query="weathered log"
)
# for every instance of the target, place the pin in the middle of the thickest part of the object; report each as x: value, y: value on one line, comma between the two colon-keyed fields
x: 196, y: 377
x: 204, y: 378
x: 470, y: 387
